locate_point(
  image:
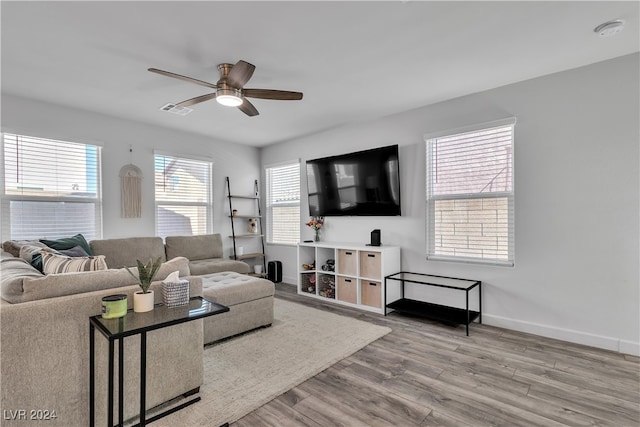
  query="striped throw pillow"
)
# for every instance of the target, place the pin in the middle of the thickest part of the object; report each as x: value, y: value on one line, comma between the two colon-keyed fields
x: 52, y: 263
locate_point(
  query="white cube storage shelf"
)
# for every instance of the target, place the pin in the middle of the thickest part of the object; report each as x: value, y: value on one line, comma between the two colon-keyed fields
x: 358, y: 276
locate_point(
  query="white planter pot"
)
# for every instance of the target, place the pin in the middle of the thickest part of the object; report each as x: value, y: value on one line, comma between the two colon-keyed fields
x: 143, y: 302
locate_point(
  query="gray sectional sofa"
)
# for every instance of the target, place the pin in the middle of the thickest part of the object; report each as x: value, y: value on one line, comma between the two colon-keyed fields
x: 205, y: 253
x: 44, y: 326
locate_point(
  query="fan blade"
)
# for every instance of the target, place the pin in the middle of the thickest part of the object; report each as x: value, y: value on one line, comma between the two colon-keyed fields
x: 196, y: 100
x: 184, y: 78
x: 272, y: 94
x: 240, y: 74
x: 248, y: 108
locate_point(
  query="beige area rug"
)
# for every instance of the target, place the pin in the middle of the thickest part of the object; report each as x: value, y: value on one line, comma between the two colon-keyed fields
x: 244, y: 373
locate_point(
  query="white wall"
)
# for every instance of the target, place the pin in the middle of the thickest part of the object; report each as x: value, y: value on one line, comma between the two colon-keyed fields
x: 239, y: 162
x: 576, y: 274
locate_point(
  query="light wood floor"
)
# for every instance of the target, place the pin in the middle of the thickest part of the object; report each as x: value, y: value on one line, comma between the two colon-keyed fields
x: 425, y: 374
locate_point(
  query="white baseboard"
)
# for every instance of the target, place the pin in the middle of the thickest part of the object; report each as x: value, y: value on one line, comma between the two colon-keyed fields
x: 577, y: 337
x: 629, y: 347
x: 290, y: 280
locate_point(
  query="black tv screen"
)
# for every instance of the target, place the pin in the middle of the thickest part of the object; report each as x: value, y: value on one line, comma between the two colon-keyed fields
x: 361, y: 183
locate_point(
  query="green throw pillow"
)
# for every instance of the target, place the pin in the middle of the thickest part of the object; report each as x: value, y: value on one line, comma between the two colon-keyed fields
x: 36, y: 262
x: 68, y: 243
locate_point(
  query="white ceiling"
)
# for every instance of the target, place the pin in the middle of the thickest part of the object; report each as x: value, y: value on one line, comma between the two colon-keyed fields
x: 353, y: 61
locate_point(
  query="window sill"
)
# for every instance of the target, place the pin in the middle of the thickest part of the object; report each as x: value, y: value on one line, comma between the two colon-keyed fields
x: 461, y: 260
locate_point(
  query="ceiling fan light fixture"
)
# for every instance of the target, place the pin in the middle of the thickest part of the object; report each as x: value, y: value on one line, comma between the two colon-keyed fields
x: 229, y: 97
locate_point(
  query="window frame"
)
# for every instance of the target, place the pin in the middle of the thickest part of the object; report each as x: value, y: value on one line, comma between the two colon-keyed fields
x: 269, y: 206
x: 7, y: 199
x: 208, y: 204
x: 431, y: 199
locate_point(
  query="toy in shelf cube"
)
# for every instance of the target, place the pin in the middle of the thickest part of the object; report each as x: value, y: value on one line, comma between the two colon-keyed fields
x: 312, y: 284
x: 253, y: 225
x: 330, y: 265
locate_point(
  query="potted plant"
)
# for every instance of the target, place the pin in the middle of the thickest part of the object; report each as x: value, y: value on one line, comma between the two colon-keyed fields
x: 143, y: 300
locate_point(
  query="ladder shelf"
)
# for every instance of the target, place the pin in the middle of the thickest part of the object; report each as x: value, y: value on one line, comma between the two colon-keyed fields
x: 259, y: 232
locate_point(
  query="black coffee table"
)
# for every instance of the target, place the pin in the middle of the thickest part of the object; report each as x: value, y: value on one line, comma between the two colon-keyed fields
x: 139, y: 324
x: 441, y: 313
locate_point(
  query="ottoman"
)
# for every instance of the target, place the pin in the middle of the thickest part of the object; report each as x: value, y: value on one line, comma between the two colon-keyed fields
x: 250, y: 300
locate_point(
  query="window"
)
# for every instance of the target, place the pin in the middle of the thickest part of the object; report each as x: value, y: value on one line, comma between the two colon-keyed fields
x: 283, y: 203
x: 470, y: 204
x: 52, y: 189
x: 183, y: 196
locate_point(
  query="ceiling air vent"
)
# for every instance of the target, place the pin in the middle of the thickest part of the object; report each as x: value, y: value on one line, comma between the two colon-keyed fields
x: 173, y: 108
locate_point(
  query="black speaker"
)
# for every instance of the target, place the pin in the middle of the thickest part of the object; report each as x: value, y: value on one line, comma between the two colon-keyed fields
x: 375, y: 237
x: 274, y: 271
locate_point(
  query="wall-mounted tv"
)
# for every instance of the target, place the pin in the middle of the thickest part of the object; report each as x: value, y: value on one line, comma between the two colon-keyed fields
x: 361, y: 183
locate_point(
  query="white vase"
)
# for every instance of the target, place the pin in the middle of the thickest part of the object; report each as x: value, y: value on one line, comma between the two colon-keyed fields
x: 142, y: 302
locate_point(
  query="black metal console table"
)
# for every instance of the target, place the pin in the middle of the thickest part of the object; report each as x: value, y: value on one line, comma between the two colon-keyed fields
x: 139, y: 324
x: 441, y: 313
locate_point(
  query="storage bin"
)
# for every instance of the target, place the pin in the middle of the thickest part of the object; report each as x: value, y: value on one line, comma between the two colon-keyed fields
x: 371, y: 293
x: 370, y: 265
x: 348, y: 289
x: 347, y: 262
x: 308, y: 283
x: 327, y: 286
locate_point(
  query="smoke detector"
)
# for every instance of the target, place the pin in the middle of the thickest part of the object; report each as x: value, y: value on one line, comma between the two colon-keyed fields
x: 609, y: 29
x: 173, y: 108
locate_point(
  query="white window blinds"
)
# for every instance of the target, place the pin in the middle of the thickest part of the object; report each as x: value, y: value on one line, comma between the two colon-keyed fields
x: 283, y: 203
x: 183, y: 196
x: 470, y: 197
x: 52, y: 189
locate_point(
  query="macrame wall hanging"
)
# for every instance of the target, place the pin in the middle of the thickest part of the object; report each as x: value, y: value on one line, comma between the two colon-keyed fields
x: 131, y: 190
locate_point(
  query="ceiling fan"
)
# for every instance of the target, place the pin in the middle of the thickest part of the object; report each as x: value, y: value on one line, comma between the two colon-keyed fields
x: 229, y: 89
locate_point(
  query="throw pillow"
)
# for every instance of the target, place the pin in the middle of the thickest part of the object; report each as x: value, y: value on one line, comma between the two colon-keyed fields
x: 28, y: 252
x: 75, y: 251
x: 13, y: 246
x: 52, y: 263
x: 68, y: 243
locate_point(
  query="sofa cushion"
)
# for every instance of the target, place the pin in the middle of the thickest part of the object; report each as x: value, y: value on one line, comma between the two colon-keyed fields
x: 52, y: 263
x: 124, y: 252
x: 194, y: 247
x: 207, y: 266
x: 13, y: 271
x: 68, y: 243
x: 229, y: 288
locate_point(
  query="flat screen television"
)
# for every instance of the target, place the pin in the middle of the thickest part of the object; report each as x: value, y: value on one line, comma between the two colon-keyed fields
x: 364, y: 183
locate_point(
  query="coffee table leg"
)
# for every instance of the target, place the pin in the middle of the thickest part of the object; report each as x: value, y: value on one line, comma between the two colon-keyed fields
x: 468, y: 317
x: 120, y: 381
x: 143, y: 377
x: 92, y: 373
x: 110, y: 381
x: 480, y: 303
